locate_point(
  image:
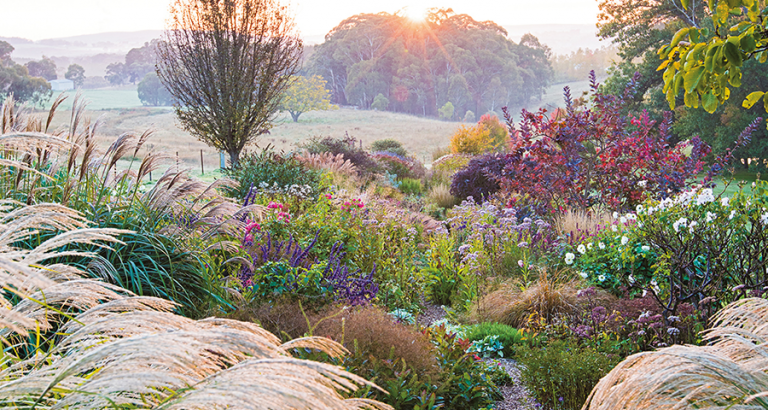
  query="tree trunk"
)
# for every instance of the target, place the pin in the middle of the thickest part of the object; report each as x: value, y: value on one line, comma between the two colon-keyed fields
x: 234, y: 158
x: 295, y: 116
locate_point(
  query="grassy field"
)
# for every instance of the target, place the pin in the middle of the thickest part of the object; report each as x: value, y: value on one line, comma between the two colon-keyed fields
x: 106, y: 98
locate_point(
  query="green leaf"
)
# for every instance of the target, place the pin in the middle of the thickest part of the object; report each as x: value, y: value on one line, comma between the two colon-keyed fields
x: 752, y: 99
x: 709, y: 102
x: 722, y: 12
x: 685, y: 3
x: 679, y: 36
x: 692, y: 78
x: 709, y: 63
x: 748, y: 44
x: 732, y: 54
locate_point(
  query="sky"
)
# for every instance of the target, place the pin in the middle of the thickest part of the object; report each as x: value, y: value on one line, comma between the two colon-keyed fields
x: 42, y: 19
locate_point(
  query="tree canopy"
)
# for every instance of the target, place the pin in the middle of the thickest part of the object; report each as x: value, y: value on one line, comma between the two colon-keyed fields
x: 705, y: 63
x: 76, y: 73
x: 226, y: 63
x: 15, y: 79
x: 420, y: 66
x: 306, y: 94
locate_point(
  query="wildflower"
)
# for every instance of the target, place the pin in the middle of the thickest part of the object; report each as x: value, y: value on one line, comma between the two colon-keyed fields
x: 691, y: 226
x: 673, y: 319
x: 641, y: 332
x: 711, y: 216
x: 569, y: 257
x: 705, y: 197
x: 464, y: 248
x: 601, y: 245
x: 583, y: 274
x: 624, y: 240
x: 589, y: 246
x: 639, y: 209
x: 682, y: 222
x: 673, y: 331
x: 582, y: 249
x: 631, y: 217
x: 645, y: 248
x: 733, y: 213
x: 764, y: 218
x: 520, y: 263
x: 601, y: 278
x: 614, y: 228
x: 522, y: 245
x: 623, y: 220
x: 724, y: 201
x: 642, y: 183
x: 615, y: 215
x: 631, y: 279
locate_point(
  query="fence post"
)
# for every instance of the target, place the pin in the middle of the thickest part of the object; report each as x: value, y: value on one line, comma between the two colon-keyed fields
x: 222, y: 161
x: 202, y: 166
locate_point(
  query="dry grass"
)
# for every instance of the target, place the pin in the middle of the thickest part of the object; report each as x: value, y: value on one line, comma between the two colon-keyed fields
x: 729, y: 372
x: 579, y: 223
x: 549, y: 296
x: 440, y: 195
x: 420, y: 136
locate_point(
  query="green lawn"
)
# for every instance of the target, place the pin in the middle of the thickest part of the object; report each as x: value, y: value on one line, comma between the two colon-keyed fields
x: 733, y: 181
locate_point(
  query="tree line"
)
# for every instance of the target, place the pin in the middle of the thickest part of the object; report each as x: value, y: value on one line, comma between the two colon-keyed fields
x: 419, y: 67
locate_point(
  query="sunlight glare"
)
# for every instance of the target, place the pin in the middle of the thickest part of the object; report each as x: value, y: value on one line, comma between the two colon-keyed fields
x: 415, y: 13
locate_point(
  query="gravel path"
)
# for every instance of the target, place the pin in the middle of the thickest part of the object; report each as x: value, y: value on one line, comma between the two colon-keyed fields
x: 516, y: 396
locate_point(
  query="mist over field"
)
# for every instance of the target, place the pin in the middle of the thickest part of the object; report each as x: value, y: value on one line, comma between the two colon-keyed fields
x: 304, y: 204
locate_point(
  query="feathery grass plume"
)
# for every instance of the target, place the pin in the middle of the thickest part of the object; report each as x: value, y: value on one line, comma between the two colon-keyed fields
x: 327, y: 161
x: 579, y: 223
x: 515, y: 304
x: 82, y: 344
x: 728, y: 373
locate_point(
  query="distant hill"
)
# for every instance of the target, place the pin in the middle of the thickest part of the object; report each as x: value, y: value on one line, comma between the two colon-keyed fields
x: 95, y: 51
x: 92, y: 51
x: 561, y: 38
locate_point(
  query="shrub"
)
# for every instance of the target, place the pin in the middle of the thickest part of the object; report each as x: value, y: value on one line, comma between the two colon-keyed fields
x: 389, y: 145
x: 269, y: 170
x: 498, y: 133
x: 446, y: 111
x: 479, y: 179
x: 594, y: 156
x: 399, y: 166
x: 372, y: 333
x: 508, y: 336
x: 380, y: 103
x: 348, y: 146
x: 444, y: 167
x: 472, y: 140
x: 469, y: 116
x: 410, y: 186
x: 561, y: 374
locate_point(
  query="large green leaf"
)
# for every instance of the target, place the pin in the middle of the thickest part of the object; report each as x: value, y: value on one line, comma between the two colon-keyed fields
x: 733, y: 54
x: 709, y: 102
x: 692, y: 78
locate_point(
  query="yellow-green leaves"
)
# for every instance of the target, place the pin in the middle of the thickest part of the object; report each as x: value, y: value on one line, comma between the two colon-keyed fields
x: 753, y: 98
x: 704, y: 67
x: 692, y: 78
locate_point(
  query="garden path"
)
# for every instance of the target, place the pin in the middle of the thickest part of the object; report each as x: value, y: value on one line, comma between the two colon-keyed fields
x: 516, y: 395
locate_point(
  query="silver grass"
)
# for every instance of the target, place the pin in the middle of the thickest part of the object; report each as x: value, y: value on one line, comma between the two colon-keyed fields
x: 113, y: 349
x: 731, y: 372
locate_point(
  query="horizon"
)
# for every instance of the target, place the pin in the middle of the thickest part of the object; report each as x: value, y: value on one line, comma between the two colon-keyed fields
x: 312, y: 18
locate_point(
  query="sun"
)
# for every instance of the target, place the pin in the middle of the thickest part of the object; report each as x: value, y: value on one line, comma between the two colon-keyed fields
x: 415, y: 13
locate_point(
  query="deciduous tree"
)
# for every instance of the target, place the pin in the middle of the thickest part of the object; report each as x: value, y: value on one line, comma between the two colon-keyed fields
x: 227, y: 64
x: 306, y: 94
x: 76, y: 73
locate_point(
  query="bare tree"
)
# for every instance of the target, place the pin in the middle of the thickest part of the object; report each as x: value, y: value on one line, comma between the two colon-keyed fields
x: 226, y: 63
